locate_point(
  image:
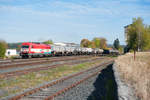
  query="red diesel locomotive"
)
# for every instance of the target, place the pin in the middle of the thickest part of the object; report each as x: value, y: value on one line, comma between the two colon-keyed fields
x: 29, y: 50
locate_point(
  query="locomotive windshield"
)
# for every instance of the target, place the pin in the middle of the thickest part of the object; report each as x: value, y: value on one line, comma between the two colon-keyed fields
x: 25, y: 46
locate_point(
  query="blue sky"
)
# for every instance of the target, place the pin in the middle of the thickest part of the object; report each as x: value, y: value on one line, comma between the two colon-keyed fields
x: 69, y: 20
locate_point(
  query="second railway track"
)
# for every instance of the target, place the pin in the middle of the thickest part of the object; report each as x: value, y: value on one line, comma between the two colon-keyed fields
x: 29, y: 70
x: 39, y: 61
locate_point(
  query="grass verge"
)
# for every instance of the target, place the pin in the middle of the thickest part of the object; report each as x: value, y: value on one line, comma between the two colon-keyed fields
x: 136, y: 73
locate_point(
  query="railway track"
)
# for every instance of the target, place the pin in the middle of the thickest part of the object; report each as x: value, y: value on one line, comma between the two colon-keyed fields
x: 43, y: 61
x: 49, y: 63
x: 51, y: 90
x: 6, y: 61
x: 22, y: 60
x: 26, y: 71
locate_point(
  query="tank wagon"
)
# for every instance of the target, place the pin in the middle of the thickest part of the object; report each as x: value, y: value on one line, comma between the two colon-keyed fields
x: 58, y: 50
x: 29, y: 50
x: 110, y: 52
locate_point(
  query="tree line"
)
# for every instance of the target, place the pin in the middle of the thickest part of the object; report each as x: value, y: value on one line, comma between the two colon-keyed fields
x: 95, y: 43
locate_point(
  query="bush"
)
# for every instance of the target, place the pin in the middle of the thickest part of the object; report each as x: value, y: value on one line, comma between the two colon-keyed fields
x: 120, y: 49
x: 3, y: 47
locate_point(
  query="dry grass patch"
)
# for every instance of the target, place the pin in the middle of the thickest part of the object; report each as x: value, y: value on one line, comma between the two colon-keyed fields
x: 136, y: 73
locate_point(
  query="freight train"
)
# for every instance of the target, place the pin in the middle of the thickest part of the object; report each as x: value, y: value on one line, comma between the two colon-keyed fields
x: 29, y: 50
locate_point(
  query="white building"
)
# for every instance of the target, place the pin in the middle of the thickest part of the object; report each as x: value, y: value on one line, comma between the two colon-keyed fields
x: 67, y: 44
x: 11, y: 52
x: 60, y: 44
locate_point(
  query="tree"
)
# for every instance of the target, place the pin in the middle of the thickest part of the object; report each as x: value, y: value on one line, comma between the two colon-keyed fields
x: 145, y: 39
x: 100, y: 42
x: 96, y: 42
x: 116, y: 44
x: 121, y: 50
x: 85, y: 43
x: 138, y: 36
x: 93, y: 45
x: 3, y: 47
x: 103, y: 44
x: 48, y: 42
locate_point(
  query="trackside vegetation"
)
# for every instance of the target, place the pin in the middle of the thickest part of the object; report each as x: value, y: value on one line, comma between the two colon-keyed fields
x: 136, y: 73
x: 3, y: 47
x: 48, y: 42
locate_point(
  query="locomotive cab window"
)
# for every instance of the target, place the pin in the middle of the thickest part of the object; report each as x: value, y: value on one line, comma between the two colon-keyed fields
x: 25, y: 46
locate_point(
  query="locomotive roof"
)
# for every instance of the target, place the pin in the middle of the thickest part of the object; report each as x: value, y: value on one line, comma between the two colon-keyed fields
x: 30, y: 43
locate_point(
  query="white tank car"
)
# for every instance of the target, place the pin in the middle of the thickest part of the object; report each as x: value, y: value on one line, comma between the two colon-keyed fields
x: 77, y: 50
x: 101, y: 51
x: 89, y: 50
x: 97, y: 51
x: 73, y: 50
x: 57, y: 49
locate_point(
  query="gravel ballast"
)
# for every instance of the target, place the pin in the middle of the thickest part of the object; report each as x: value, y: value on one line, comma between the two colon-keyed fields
x: 99, y: 87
